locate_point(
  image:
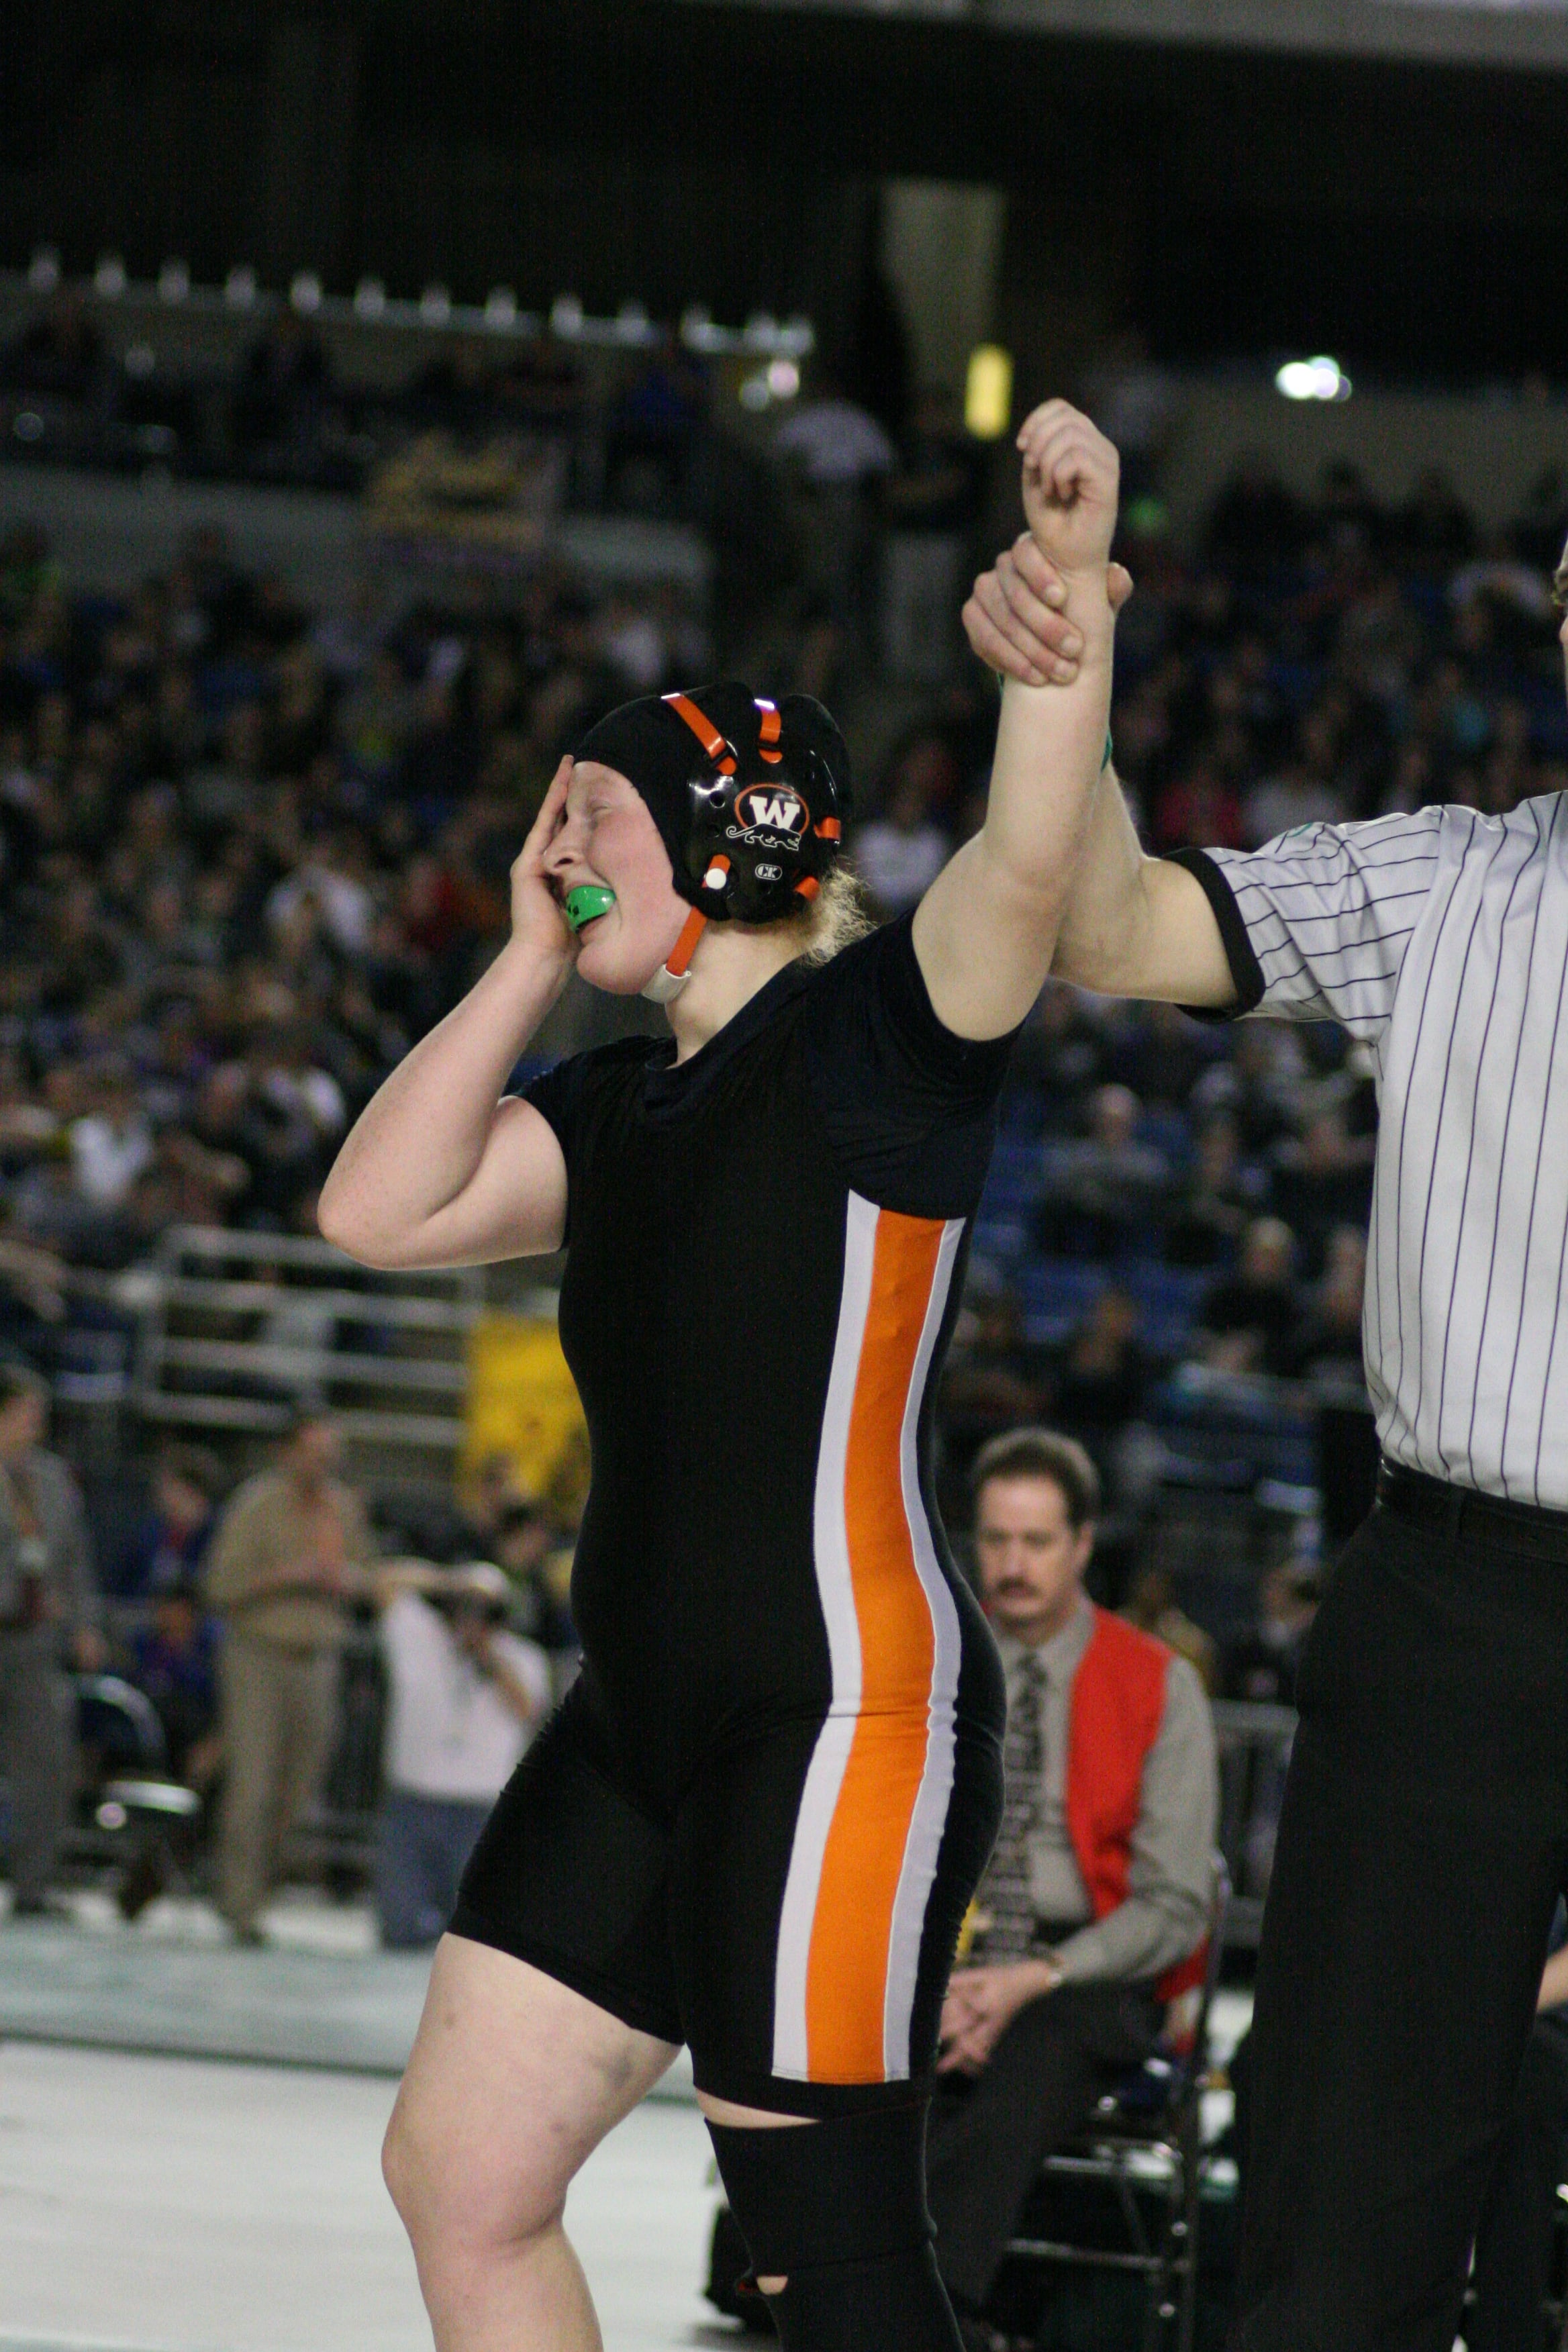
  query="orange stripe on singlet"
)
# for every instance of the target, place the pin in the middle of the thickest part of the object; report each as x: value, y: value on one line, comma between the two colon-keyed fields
x: 846, y: 1970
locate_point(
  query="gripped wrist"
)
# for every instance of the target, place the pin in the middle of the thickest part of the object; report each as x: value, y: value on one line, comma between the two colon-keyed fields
x: 1087, y: 607
x: 1089, y: 604
x: 1092, y: 571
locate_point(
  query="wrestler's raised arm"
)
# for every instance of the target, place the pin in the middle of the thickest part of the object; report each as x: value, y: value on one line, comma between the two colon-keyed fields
x: 985, y: 930
x: 439, y: 1170
x: 1131, y: 925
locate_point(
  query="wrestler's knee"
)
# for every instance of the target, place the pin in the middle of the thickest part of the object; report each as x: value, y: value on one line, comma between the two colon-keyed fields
x: 454, y: 2199
x: 408, y: 2163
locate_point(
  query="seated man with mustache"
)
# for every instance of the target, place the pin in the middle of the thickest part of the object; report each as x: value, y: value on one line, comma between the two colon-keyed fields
x: 1091, y: 1917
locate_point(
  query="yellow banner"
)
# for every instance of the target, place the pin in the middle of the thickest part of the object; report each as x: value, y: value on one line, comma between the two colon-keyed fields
x: 522, y: 1404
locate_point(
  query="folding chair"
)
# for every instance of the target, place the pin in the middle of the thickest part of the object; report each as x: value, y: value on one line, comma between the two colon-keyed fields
x: 1156, y: 2112
x: 131, y: 1809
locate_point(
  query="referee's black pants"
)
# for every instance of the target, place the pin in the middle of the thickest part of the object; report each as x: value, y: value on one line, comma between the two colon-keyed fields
x: 1422, y: 1846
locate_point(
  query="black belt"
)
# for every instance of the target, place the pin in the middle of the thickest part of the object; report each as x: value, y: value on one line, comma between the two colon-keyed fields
x: 1049, y: 1933
x: 1455, y: 1511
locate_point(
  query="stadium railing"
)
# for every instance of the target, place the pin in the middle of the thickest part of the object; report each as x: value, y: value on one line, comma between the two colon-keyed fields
x: 238, y: 1331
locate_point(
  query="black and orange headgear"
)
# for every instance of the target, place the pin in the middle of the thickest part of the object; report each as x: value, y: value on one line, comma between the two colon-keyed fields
x: 751, y: 797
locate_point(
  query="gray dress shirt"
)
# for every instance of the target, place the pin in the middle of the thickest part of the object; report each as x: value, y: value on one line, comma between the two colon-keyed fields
x: 62, y: 1560
x: 1168, y: 1883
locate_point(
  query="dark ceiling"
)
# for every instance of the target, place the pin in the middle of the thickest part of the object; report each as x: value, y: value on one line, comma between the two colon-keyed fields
x: 1414, y: 219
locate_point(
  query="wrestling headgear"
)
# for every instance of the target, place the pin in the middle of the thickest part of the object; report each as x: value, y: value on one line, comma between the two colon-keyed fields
x: 750, y: 797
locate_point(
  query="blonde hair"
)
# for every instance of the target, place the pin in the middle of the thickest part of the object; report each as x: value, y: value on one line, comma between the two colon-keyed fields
x: 838, y: 915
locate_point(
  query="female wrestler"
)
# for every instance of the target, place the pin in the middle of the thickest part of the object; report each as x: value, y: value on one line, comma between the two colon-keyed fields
x: 755, y: 1822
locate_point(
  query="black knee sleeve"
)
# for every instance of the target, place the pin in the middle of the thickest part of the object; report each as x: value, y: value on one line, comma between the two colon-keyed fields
x: 838, y: 2209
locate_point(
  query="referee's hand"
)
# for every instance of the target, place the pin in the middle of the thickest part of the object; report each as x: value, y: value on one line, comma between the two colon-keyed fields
x: 1015, y: 621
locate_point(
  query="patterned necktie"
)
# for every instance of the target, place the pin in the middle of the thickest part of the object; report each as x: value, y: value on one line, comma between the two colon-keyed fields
x: 1004, y: 1897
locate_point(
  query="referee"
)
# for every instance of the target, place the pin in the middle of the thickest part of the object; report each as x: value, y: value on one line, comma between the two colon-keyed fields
x: 1424, y: 1835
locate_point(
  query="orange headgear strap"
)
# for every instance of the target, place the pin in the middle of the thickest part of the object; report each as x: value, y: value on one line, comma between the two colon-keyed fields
x: 685, y: 947
x: 769, y: 730
x: 716, y: 745
x: 674, y: 973
x: 666, y: 982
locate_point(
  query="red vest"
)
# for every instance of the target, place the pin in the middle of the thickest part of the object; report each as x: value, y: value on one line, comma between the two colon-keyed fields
x: 1117, y: 1706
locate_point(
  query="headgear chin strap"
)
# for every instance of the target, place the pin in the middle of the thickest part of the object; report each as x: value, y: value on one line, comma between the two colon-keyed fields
x: 675, y: 971
x: 750, y: 798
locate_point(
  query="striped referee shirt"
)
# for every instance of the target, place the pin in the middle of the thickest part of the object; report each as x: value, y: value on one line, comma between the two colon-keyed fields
x: 1441, y: 941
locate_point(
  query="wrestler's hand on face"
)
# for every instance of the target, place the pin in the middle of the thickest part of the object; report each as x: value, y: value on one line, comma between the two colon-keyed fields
x: 1014, y: 619
x: 537, y: 920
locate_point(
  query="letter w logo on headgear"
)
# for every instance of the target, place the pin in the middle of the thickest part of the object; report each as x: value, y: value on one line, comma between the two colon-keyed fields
x: 770, y: 808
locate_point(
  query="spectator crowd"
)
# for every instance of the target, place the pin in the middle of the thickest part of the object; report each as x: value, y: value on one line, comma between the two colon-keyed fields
x: 249, y: 851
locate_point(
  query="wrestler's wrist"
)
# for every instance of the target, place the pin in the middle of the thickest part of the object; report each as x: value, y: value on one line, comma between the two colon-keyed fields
x: 1090, y: 610
x: 1088, y: 574
x: 528, y: 966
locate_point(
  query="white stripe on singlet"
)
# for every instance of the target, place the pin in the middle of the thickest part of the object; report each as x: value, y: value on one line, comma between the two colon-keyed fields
x: 930, y: 1817
x: 1441, y: 940
x: 835, y: 1586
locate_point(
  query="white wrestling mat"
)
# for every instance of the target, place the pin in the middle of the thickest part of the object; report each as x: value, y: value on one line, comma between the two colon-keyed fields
x: 177, y: 2205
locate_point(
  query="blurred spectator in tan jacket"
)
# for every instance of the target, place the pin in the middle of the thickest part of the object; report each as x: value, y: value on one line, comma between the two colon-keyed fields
x: 46, y: 1597
x: 288, y: 1553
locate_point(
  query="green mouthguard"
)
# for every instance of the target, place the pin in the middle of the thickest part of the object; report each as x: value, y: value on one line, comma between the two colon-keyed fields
x: 587, y: 903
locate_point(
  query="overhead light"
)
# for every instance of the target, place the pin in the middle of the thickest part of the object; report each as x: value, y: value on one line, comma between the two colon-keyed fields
x: 1318, y: 378
x: 988, y: 392
x: 44, y: 270
x: 240, y: 287
x: 109, y: 278
x: 174, y: 281
x: 140, y: 361
x: 784, y: 379
x: 762, y: 334
x: 305, y: 293
x: 435, y: 306
x: 566, y: 317
x: 632, y: 323
x: 370, y: 299
x: 500, y: 307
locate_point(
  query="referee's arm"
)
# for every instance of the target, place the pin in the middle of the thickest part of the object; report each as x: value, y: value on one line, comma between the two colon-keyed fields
x: 1140, y: 926
x: 1313, y: 927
